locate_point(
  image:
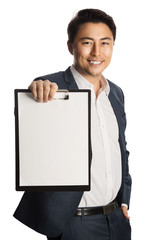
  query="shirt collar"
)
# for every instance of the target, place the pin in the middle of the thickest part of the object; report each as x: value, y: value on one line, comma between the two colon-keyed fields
x: 84, y: 84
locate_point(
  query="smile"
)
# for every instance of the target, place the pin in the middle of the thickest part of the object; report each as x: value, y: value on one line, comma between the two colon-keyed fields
x: 95, y: 62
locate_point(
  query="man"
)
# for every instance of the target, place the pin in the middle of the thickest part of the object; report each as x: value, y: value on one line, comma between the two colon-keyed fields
x: 101, y: 213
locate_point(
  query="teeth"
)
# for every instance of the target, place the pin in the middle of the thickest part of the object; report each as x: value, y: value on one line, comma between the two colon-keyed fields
x: 95, y: 62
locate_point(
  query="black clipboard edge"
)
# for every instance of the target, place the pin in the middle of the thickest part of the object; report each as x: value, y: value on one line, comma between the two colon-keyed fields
x: 53, y: 188
x: 16, y: 137
x: 17, y: 168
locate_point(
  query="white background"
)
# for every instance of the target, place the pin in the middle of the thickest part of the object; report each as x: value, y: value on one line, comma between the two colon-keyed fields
x: 33, y: 43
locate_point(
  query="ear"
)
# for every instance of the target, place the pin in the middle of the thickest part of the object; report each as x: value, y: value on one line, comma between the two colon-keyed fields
x: 70, y: 47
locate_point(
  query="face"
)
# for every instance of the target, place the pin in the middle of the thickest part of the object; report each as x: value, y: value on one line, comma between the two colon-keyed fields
x: 92, y: 49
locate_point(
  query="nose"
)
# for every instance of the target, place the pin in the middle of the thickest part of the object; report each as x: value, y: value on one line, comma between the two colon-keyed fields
x: 96, y: 50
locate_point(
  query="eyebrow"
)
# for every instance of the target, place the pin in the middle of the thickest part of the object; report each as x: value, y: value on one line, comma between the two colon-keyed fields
x: 106, y: 38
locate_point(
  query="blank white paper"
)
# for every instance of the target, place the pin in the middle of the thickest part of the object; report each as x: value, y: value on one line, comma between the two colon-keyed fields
x: 53, y: 140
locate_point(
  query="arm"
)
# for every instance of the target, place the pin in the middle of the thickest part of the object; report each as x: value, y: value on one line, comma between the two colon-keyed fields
x: 127, y: 178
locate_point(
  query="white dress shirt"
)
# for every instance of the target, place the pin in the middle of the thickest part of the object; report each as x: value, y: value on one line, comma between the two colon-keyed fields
x: 106, y: 167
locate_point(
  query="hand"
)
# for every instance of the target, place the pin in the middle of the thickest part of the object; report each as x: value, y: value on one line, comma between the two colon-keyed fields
x: 125, y: 211
x: 43, y: 91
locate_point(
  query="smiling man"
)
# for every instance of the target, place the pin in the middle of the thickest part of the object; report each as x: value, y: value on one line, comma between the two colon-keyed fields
x: 92, y: 50
x: 101, y: 213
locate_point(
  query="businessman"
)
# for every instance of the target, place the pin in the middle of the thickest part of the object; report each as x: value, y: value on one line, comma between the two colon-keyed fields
x: 101, y: 213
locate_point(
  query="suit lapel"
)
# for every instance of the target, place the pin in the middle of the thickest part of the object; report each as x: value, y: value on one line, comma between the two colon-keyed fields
x: 120, y: 116
x: 116, y: 107
x: 69, y: 79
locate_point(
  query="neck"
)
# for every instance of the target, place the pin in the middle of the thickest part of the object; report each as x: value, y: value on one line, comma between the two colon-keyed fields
x: 97, y: 86
x: 95, y: 81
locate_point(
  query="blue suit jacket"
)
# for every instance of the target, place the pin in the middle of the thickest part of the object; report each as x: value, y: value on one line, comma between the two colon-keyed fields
x: 49, y: 212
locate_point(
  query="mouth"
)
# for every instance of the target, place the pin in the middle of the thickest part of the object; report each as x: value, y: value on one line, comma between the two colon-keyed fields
x: 95, y: 62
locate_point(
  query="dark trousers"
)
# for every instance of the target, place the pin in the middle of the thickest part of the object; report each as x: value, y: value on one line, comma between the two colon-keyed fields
x: 113, y: 226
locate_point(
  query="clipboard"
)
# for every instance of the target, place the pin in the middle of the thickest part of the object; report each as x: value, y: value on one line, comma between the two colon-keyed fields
x: 52, y: 141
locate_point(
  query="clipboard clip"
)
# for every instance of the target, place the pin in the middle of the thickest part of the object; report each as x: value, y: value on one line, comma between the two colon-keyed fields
x: 62, y: 95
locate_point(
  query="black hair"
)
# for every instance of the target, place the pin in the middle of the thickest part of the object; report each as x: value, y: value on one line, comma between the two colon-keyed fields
x: 90, y: 15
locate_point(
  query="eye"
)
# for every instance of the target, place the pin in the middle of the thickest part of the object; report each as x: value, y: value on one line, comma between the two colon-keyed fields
x: 105, y: 43
x: 87, y: 43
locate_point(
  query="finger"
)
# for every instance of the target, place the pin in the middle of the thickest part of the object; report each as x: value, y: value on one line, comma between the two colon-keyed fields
x: 53, y: 90
x: 46, y: 90
x: 126, y: 215
x: 125, y: 212
x: 39, y: 85
x: 33, y: 88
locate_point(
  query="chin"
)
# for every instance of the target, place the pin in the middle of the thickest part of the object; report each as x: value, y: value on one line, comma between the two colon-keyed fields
x: 96, y: 74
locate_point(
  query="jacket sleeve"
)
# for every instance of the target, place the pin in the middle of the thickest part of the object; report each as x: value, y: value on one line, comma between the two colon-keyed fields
x: 126, y: 179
